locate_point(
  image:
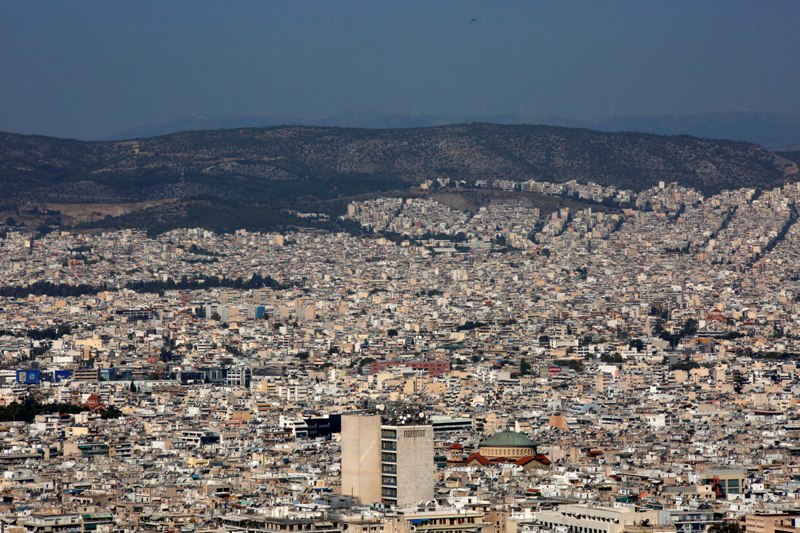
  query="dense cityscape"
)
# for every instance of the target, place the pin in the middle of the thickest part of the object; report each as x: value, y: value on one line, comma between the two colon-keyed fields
x: 624, y: 368
x: 400, y: 267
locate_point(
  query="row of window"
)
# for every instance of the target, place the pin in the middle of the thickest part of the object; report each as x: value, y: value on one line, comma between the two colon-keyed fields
x: 574, y: 529
x: 507, y: 452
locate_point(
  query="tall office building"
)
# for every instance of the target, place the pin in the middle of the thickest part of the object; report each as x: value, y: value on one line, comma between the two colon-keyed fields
x: 392, y: 464
x: 361, y: 457
x: 406, y: 464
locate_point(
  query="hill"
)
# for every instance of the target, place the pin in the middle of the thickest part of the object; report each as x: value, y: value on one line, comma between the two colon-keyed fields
x: 772, y: 130
x: 791, y: 155
x: 775, y: 131
x: 287, y: 167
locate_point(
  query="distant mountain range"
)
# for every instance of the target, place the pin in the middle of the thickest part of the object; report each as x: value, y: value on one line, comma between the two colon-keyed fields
x: 243, y: 177
x: 771, y: 130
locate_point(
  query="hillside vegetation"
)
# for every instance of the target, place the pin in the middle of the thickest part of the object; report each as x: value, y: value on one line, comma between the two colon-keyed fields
x: 290, y: 166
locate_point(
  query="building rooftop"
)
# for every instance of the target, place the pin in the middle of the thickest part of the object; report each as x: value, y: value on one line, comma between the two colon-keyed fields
x: 508, y: 439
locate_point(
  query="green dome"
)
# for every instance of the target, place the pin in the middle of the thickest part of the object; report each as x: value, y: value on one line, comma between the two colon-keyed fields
x: 508, y: 439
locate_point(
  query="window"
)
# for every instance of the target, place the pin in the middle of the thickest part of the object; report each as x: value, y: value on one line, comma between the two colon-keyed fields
x: 388, y: 457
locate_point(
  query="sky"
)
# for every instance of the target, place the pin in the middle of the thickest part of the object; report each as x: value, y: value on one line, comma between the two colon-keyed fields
x: 89, y: 69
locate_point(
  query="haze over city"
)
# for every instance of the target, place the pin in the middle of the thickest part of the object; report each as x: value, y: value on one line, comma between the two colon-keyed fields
x: 93, y: 69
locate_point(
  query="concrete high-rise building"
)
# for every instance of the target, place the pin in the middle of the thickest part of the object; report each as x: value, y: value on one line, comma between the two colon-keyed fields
x: 361, y: 457
x: 406, y: 464
x: 392, y: 464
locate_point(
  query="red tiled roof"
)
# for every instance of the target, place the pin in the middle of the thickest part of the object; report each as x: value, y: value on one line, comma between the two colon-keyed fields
x: 542, y: 459
x: 478, y: 457
x: 539, y: 458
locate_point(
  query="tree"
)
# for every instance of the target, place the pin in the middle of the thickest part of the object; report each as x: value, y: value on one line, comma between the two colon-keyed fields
x: 133, y: 387
x: 573, y: 364
x: 111, y: 412
x: 524, y: 367
x: 166, y: 354
x: 364, y: 362
x: 725, y: 527
x: 392, y: 333
x: 29, y: 408
x: 215, y: 316
x: 637, y: 344
x: 544, y: 340
x: 690, y: 327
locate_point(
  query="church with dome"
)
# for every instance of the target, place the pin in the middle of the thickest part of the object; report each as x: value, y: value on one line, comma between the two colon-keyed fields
x: 508, y: 447
x: 507, y: 444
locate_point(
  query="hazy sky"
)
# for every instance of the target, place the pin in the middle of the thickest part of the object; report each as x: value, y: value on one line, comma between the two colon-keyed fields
x: 89, y: 69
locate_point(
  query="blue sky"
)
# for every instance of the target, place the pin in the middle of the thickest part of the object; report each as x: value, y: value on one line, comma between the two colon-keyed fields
x: 88, y: 69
